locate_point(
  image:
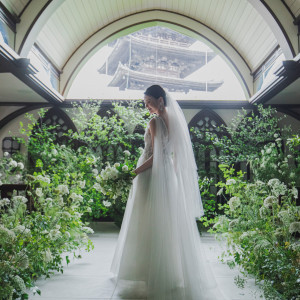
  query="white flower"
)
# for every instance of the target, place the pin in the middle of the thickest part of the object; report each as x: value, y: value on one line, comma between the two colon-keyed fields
x: 278, y: 140
x: 20, y: 199
x: 54, y: 151
x: 127, y: 153
x: 141, y: 149
x: 116, y: 165
x: 276, y: 135
x: 21, y: 229
x: 63, y: 189
x: 125, y: 168
x: 66, y: 215
x: 6, y: 235
x: 47, y: 255
x: 91, y: 201
x: 67, y: 233
x: 270, y: 201
x: 39, y: 192
x: 294, y: 227
x: 289, y: 156
x: 263, y: 212
x: 42, y: 178
x: 106, y: 203
x: 88, y: 209
x: 269, y: 150
x: 230, y: 181
x: 6, y: 154
x: 19, y: 283
x: 234, y: 203
x: 20, y: 165
x: 4, y: 201
x: 81, y: 184
x: 13, y: 164
x: 91, y: 159
x: 273, y: 182
x: 220, y: 192
x: 95, y: 172
x: 97, y: 187
x: 87, y: 229
x: 294, y: 192
x: 76, y: 197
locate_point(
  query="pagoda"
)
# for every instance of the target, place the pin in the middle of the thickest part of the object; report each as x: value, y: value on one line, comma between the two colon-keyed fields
x: 157, y: 55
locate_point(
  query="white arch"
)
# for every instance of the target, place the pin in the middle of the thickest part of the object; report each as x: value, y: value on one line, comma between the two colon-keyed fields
x: 172, y: 20
x: 283, y: 28
x: 33, y: 19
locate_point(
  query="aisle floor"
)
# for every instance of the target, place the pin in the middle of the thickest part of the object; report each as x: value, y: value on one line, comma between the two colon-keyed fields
x: 89, y: 278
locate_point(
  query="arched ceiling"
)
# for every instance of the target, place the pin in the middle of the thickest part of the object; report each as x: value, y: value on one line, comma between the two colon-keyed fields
x: 246, y: 31
x: 236, y: 21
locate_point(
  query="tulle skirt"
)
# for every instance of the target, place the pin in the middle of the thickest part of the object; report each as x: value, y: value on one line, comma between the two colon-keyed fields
x: 158, y: 254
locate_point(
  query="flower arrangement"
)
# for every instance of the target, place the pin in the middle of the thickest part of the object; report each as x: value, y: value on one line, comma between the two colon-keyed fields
x: 114, y: 181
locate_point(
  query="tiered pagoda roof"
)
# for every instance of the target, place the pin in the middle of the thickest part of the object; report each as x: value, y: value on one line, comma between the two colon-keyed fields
x: 144, y: 58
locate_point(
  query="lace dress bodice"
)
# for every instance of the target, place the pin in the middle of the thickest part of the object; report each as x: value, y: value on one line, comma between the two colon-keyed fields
x: 148, y: 151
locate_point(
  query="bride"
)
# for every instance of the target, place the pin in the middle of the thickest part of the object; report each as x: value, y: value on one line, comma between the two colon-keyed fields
x: 158, y: 254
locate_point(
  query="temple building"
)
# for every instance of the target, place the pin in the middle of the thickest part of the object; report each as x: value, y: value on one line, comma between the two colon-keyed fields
x: 161, y: 55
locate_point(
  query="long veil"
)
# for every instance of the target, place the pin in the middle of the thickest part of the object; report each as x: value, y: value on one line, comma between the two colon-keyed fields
x: 184, y: 160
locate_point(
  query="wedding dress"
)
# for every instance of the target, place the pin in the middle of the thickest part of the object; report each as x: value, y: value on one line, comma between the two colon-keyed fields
x: 158, y: 254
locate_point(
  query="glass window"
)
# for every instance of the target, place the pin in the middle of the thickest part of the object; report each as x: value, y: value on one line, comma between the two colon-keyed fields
x: 186, y: 67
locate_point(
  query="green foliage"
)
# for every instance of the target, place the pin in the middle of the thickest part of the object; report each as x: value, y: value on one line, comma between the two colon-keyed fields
x: 248, y: 135
x: 261, y: 223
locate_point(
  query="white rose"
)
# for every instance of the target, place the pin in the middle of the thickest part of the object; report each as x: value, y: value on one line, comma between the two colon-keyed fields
x: 88, y: 209
x: 6, y: 154
x: 125, y: 168
x: 95, y: 172
x: 116, y: 165
x: 39, y: 192
x: 20, y: 165
x: 13, y: 164
x: 127, y: 153
x: 91, y: 201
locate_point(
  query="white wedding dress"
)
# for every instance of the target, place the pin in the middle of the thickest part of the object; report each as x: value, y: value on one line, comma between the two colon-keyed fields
x: 158, y: 254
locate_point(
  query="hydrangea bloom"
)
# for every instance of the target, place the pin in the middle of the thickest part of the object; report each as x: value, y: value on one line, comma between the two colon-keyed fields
x: 127, y: 153
x: 76, y: 197
x: 6, y: 235
x: 13, y: 164
x: 19, y: 283
x: 81, y: 184
x: 230, y: 181
x: 20, y: 199
x: 4, y: 202
x: 39, y: 192
x: 63, y: 189
x: 294, y: 227
x: 234, y: 203
x: 270, y: 201
x: 20, y: 165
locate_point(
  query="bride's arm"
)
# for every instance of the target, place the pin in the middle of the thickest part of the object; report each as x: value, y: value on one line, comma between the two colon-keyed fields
x: 148, y: 163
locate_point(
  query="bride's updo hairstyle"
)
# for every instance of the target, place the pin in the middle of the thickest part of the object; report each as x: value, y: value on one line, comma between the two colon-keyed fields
x: 156, y: 91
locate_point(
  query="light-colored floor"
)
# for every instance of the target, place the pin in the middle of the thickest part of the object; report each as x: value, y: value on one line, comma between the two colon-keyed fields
x: 89, y: 277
